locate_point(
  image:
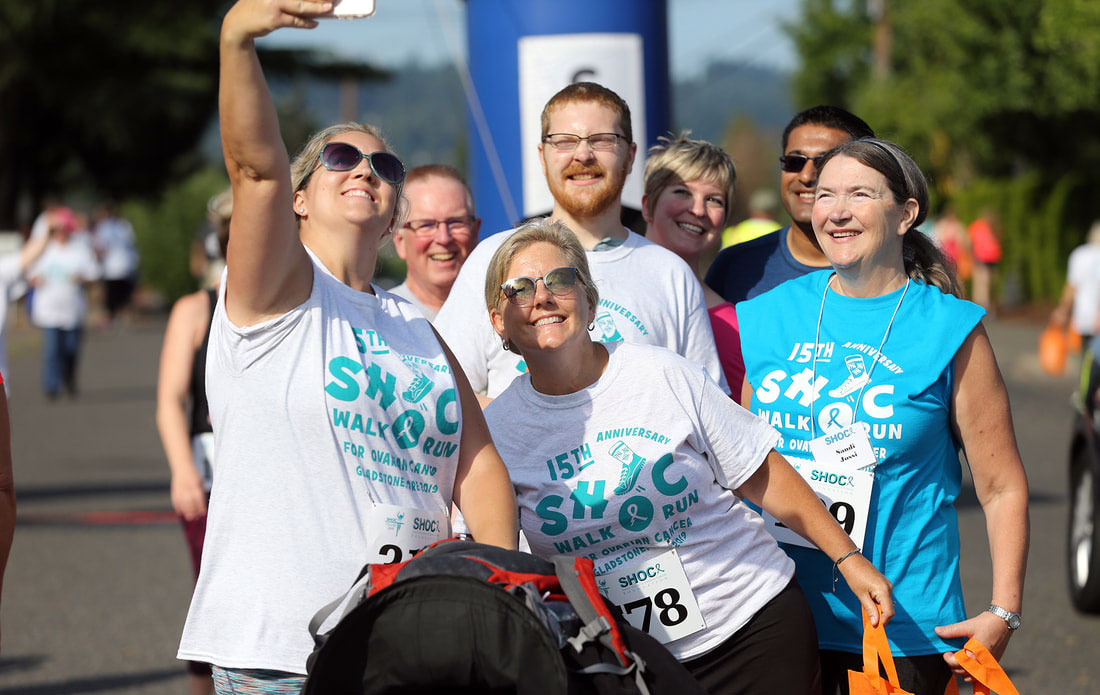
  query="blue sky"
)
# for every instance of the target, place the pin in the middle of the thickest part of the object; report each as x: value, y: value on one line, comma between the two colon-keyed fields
x: 433, y: 31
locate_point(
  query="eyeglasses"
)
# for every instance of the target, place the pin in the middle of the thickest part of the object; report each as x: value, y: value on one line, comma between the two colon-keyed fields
x: 794, y: 163
x: 340, y: 156
x: 558, y: 282
x: 567, y: 142
x: 457, y: 226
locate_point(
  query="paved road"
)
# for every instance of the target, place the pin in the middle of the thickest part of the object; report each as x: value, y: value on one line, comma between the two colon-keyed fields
x: 95, y: 599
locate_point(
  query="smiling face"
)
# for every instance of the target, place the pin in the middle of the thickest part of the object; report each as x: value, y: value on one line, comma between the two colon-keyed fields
x: 549, y: 322
x: 332, y: 198
x: 686, y: 218
x: 797, y: 188
x: 584, y: 182
x: 858, y: 223
x: 434, y: 259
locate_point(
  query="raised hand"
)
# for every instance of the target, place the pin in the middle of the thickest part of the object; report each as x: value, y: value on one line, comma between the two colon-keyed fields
x: 251, y: 19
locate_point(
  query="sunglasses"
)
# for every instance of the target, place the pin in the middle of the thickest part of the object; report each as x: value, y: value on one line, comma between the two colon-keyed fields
x: 558, y: 282
x: 340, y: 156
x: 794, y: 163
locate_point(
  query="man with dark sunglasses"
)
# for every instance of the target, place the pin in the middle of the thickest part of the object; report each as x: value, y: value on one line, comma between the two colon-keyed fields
x: 647, y: 293
x: 437, y: 236
x: 745, y: 270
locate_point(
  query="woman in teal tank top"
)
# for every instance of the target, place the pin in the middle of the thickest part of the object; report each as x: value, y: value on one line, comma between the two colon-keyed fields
x: 879, y: 349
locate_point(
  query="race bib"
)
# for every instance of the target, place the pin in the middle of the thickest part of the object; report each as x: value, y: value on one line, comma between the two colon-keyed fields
x: 655, y: 597
x: 396, y: 533
x: 847, y: 448
x: 846, y: 493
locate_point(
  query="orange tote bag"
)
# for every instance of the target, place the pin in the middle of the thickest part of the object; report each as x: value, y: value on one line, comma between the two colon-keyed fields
x: 869, y: 681
x: 988, y: 675
x: 1053, y: 347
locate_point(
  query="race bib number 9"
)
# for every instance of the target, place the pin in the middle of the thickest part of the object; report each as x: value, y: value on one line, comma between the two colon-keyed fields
x: 395, y: 533
x: 845, y: 492
x: 655, y: 597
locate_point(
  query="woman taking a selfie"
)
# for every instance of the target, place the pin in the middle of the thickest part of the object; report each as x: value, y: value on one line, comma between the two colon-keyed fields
x: 632, y: 456
x: 334, y: 404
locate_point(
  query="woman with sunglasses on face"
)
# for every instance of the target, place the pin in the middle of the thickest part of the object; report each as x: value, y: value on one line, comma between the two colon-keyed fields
x: 632, y: 456
x: 338, y: 418
x: 688, y: 201
x: 903, y: 370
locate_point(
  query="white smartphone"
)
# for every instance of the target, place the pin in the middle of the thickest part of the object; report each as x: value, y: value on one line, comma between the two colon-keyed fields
x: 351, y: 9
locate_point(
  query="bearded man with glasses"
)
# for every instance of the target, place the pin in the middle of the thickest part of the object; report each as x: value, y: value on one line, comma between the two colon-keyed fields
x: 647, y: 293
x: 439, y: 233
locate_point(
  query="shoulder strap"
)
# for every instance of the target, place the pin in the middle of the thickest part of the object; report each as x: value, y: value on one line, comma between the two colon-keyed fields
x: 578, y: 581
x: 353, y: 596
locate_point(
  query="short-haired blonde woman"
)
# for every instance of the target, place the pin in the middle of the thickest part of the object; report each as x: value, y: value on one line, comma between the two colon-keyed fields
x: 878, y: 351
x: 335, y: 406
x: 631, y: 455
x: 688, y: 201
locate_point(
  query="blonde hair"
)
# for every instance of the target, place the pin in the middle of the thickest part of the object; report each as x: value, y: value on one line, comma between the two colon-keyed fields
x: 546, y: 231
x: 305, y: 161
x: 681, y: 159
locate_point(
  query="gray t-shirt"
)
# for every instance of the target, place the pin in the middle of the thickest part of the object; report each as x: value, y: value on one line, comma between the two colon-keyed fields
x: 644, y: 459
x: 405, y: 293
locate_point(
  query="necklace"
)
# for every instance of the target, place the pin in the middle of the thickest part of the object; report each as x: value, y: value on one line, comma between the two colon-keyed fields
x: 874, y: 360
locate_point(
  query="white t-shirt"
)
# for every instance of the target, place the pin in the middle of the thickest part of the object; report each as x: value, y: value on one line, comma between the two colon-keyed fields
x: 114, y: 238
x: 647, y: 295
x: 346, y: 398
x: 61, y: 271
x: 404, y: 292
x: 1084, y: 276
x: 688, y: 445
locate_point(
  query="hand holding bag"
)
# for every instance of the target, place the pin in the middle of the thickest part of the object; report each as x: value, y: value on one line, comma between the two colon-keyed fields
x: 987, y: 673
x: 869, y: 681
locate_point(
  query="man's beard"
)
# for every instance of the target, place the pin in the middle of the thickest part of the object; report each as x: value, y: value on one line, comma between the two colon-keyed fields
x: 587, y: 202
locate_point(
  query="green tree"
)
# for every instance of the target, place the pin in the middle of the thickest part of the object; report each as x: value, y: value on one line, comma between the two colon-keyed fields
x: 996, y: 99
x: 111, y: 98
x: 833, y: 45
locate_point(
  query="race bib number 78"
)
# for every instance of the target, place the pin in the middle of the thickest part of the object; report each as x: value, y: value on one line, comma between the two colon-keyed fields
x: 655, y: 597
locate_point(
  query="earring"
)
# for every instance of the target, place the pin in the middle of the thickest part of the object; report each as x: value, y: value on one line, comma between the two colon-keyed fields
x: 591, y: 325
x: 301, y: 211
x: 506, y: 345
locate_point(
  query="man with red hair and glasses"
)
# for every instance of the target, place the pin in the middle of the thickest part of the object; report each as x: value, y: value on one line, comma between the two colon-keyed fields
x: 647, y: 293
x: 745, y: 270
x: 437, y: 236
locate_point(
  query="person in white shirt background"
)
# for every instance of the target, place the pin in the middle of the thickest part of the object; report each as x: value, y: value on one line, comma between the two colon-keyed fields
x: 60, y: 305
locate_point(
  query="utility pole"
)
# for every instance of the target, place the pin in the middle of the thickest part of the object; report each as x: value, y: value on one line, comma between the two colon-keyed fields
x: 881, y: 38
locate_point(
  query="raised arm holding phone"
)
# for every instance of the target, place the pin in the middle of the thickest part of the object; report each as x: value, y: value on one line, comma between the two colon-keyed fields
x: 334, y: 404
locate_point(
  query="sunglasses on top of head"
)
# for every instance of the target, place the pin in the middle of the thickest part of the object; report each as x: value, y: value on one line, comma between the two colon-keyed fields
x: 559, y: 282
x: 340, y: 156
x: 794, y: 163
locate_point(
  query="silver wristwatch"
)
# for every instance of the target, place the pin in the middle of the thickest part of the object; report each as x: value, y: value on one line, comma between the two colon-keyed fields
x: 1013, y: 619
